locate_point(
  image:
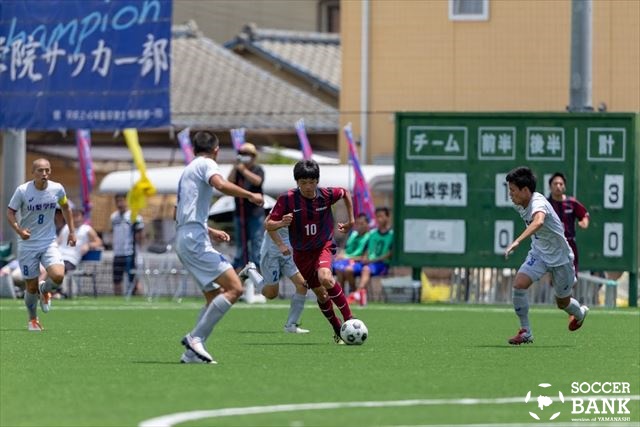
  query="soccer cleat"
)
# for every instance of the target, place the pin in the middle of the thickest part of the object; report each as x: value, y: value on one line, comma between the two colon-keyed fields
x: 295, y: 329
x: 337, y: 339
x: 45, y: 298
x: 195, y: 344
x: 522, y: 337
x: 192, y: 358
x: 575, y: 324
x: 244, y: 273
x: 34, y: 325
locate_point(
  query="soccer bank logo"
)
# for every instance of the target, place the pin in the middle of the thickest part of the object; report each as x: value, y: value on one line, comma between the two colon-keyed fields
x: 546, y: 403
x: 601, y: 401
x: 595, y: 401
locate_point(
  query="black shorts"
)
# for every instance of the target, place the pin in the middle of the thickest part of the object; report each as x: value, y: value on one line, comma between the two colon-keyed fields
x: 122, y: 264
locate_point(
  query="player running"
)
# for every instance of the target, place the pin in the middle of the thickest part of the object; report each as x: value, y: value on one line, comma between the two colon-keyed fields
x: 36, y: 202
x: 549, y: 252
x: 306, y: 212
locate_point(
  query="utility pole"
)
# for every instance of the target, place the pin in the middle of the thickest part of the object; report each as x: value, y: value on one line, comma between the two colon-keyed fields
x: 580, y: 80
x: 14, y: 149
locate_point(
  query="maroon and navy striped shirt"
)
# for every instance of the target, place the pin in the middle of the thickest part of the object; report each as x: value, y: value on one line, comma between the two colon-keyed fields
x: 568, y: 210
x: 312, y: 224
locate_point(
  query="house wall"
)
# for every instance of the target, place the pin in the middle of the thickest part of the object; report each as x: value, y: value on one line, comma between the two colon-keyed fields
x: 518, y: 60
x: 222, y: 20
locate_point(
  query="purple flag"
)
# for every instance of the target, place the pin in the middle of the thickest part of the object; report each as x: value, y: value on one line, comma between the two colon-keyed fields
x: 87, y: 174
x: 185, y: 145
x: 237, y: 138
x: 362, y: 202
x: 307, y: 153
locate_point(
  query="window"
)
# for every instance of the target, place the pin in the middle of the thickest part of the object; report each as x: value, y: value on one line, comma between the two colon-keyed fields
x: 329, y: 16
x: 469, y: 10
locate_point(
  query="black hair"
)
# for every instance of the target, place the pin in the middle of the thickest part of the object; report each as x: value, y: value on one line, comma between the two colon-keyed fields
x: 362, y: 214
x: 557, y: 175
x: 522, y: 177
x: 306, y: 169
x: 205, y: 142
x: 384, y: 209
x: 120, y: 196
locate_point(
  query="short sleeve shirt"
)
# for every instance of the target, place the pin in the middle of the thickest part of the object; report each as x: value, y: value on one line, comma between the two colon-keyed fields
x: 36, y: 209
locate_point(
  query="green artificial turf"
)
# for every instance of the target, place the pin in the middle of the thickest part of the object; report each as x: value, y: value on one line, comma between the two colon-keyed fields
x: 108, y: 362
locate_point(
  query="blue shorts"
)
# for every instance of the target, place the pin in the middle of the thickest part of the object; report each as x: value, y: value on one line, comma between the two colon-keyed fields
x: 378, y: 268
x: 341, y: 265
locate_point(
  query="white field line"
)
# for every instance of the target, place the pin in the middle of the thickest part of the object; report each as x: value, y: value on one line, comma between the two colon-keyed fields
x: 126, y: 306
x: 181, y: 417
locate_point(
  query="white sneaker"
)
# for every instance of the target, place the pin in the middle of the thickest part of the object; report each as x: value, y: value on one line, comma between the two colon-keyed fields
x: 295, y: 329
x: 195, y: 344
x: 34, y: 325
x: 244, y: 273
x: 45, y: 298
x: 190, y: 357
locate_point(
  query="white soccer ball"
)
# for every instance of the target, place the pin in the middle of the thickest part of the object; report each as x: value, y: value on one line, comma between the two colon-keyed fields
x: 354, y: 332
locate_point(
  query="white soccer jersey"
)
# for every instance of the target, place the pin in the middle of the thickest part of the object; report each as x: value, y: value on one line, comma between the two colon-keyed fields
x: 123, y: 240
x: 194, y: 191
x: 73, y: 254
x: 548, y: 243
x: 269, y: 247
x: 36, y: 209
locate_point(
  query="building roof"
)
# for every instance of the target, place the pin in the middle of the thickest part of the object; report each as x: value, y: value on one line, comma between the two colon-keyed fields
x: 214, y: 88
x: 312, y: 56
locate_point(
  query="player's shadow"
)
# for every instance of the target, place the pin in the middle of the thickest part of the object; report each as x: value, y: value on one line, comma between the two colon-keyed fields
x: 156, y: 362
x: 283, y: 343
x: 533, y: 347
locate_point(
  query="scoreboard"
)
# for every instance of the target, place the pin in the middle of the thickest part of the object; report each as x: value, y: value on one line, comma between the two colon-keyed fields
x: 451, y: 201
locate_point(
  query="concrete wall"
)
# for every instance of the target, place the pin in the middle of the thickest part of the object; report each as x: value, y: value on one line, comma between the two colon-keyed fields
x: 518, y: 60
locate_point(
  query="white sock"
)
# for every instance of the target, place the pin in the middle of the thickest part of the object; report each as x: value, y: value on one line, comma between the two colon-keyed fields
x: 295, y: 311
x: 257, y: 279
x: 574, y: 308
x: 48, y: 285
x: 31, y: 302
x: 218, y: 307
x: 521, y: 306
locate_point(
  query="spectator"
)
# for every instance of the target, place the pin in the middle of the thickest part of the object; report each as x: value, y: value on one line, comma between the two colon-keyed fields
x: 375, y: 262
x: 35, y: 201
x: 127, y: 237
x: 345, y: 266
x: 87, y: 239
x: 249, y: 217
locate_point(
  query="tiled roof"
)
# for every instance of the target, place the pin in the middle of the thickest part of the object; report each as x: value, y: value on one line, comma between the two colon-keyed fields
x: 312, y: 56
x: 215, y: 88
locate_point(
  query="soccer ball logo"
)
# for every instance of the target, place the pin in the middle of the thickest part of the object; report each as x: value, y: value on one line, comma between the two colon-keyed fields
x: 354, y: 332
x: 544, y: 401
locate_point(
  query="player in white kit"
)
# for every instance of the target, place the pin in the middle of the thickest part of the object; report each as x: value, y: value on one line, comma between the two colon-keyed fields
x: 35, y: 203
x: 193, y: 243
x: 550, y: 252
x: 276, y: 260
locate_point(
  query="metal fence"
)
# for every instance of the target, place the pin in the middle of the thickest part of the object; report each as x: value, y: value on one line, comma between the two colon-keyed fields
x: 161, y: 275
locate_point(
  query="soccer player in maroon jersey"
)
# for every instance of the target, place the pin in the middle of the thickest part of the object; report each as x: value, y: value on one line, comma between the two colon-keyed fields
x: 568, y: 209
x: 306, y: 211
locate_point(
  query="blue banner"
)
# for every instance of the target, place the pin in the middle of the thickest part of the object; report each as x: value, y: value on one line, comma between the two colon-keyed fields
x: 91, y: 64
